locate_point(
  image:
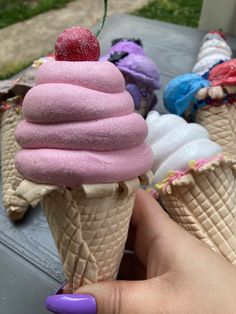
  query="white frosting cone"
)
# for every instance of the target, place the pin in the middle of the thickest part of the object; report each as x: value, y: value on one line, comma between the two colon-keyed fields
x: 175, y: 142
x: 214, y: 49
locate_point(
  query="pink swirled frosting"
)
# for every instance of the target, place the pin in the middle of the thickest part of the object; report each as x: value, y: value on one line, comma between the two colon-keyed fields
x: 79, y: 127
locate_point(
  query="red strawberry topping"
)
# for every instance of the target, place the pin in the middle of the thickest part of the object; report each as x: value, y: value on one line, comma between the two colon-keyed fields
x: 77, y: 44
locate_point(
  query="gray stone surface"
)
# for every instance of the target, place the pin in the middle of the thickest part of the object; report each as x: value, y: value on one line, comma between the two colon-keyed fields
x: 23, y: 288
x: 30, y: 268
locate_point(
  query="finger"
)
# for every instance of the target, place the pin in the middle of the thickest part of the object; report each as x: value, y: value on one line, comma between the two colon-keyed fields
x: 133, y: 297
x: 65, y: 290
x: 131, y: 268
x: 148, y: 219
x: 155, y: 230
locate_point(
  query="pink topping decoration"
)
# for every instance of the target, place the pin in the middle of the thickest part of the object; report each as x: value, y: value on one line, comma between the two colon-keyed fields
x: 77, y: 44
x: 80, y: 128
x: 221, y: 34
x: 193, y: 165
x: 224, y: 73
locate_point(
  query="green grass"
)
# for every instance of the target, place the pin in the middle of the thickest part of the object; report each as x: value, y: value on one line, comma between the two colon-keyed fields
x: 182, y: 12
x: 10, y: 70
x: 12, y: 11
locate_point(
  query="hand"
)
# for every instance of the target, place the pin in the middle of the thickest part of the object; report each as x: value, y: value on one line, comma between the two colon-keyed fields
x: 176, y: 273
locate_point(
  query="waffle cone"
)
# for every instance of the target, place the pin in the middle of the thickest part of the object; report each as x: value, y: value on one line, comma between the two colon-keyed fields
x: 89, y: 225
x: 15, y: 205
x: 204, y: 203
x: 144, y: 107
x: 220, y: 122
x: 146, y: 104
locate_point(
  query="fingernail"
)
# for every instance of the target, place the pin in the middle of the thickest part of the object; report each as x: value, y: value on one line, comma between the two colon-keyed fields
x: 60, y: 289
x: 71, y: 304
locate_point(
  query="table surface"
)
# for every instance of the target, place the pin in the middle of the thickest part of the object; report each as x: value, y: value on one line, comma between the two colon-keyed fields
x: 29, y: 265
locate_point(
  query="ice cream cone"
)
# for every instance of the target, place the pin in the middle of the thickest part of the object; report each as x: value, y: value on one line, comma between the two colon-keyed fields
x: 89, y: 225
x: 214, y: 50
x: 196, y: 183
x: 209, y: 99
x: 142, y: 77
x: 79, y: 137
x: 144, y: 108
x: 218, y: 114
x: 220, y: 122
x: 203, y: 201
x: 12, y: 93
x: 15, y: 206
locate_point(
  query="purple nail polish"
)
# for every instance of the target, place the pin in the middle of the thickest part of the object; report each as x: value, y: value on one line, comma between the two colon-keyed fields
x: 71, y: 304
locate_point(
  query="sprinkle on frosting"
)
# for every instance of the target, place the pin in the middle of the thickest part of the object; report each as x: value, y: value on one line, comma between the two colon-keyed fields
x: 208, y: 102
x: 174, y: 175
x: 214, y: 50
x: 15, y: 103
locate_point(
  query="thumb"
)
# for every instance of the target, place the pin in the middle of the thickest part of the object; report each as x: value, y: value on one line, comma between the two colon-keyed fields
x: 122, y: 297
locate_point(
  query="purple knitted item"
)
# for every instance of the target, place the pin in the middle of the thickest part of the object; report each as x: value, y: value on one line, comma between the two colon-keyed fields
x: 137, y: 69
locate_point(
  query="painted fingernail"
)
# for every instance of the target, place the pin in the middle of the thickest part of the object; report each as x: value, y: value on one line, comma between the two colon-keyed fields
x: 71, y: 304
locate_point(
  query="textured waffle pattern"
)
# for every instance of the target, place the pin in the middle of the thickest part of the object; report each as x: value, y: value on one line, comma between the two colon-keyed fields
x: 144, y: 107
x: 90, y: 231
x: 14, y: 204
x: 146, y: 104
x: 204, y: 203
x: 221, y: 125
